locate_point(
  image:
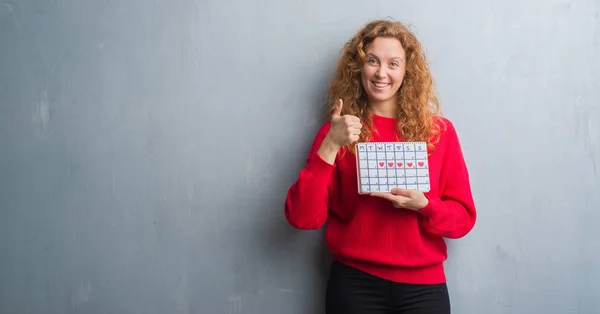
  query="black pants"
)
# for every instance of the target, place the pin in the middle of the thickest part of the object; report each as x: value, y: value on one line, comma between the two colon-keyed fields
x: 351, y: 291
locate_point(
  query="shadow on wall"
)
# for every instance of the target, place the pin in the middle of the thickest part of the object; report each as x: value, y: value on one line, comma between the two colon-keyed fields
x: 299, y: 258
x: 305, y: 262
x: 296, y: 261
x: 302, y: 255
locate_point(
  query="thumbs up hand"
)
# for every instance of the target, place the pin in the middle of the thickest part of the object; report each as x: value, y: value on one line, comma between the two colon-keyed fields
x: 344, y: 130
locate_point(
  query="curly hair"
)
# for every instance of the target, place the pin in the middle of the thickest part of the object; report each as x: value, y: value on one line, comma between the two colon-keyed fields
x: 418, y: 105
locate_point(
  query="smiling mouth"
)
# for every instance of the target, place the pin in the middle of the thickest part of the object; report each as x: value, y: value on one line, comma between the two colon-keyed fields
x: 380, y: 85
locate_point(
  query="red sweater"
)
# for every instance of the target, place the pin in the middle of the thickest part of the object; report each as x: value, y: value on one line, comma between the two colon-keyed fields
x: 369, y: 233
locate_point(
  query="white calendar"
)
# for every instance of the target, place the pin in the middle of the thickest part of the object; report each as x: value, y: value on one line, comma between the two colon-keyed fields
x: 382, y: 166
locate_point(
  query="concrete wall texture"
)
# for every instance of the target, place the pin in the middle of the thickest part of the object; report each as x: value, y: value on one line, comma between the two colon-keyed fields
x: 146, y: 148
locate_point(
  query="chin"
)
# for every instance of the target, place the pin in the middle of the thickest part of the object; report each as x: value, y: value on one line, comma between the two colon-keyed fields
x: 380, y: 98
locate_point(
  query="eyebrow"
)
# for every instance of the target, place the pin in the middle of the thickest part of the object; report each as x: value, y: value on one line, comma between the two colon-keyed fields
x: 370, y: 54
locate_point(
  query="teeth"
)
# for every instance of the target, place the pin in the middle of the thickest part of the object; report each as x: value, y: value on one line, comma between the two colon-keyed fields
x: 381, y: 84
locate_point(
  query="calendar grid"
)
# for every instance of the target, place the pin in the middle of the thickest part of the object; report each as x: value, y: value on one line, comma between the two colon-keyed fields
x: 383, y: 166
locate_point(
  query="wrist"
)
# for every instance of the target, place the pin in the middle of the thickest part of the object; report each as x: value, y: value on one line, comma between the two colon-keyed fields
x: 330, y: 144
x: 328, y: 150
x: 424, y: 202
x: 431, y: 207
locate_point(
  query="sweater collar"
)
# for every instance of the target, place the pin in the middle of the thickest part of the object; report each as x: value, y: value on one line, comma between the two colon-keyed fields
x: 383, y: 121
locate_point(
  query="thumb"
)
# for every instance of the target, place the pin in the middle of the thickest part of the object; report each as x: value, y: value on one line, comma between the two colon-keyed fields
x: 338, y: 109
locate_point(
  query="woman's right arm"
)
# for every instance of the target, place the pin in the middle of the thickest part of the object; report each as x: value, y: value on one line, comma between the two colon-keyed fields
x: 306, y: 205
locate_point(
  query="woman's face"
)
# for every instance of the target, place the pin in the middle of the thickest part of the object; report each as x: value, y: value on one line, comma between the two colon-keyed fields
x: 383, y: 71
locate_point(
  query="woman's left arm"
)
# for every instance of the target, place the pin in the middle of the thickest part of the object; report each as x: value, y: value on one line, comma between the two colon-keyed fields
x: 453, y: 214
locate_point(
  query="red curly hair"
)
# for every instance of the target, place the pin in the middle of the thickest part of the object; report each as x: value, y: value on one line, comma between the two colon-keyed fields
x: 418, y: 105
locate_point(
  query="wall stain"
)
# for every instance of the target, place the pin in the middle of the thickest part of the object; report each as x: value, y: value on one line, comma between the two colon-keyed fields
x: 235, y: 305
x: 15, y: 12
x: 43, y: 111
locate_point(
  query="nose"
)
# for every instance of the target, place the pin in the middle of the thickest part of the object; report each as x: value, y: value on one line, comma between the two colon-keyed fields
x: 380, y: 73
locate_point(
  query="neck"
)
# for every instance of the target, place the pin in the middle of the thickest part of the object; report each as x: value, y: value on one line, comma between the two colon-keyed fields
x: 384, y: 109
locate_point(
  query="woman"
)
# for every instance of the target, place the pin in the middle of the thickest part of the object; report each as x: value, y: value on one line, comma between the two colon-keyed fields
x: 388, y: 247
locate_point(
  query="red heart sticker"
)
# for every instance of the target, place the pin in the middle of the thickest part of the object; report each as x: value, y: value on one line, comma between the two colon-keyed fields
x: 409, y: 164
x: 381, y: 164
x: 399, y: 165
x: 421, y: 164
x: 390, y: 164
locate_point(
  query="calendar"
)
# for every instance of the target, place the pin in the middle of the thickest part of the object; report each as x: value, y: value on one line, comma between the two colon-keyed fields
x: 382, y: 166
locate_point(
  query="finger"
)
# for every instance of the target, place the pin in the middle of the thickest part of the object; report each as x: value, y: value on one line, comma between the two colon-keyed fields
x: 338, y: 109
x: 355, y: 125
x: 352, y: 128
x: 410, y: 194
x: 396, y: 200
x: 352, y: 135
x: 387, y: 196
x: 352, y: 119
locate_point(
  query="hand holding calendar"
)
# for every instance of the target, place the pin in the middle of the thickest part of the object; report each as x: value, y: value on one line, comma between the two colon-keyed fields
x: 396, y: 171
x: 404, y: 198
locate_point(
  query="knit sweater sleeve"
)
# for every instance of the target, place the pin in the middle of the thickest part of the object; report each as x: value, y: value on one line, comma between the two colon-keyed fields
x: 306, y: 205
x: 453, y: 213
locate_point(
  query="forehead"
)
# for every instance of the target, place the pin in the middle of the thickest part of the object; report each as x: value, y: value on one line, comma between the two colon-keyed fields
x: 386, y: 47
